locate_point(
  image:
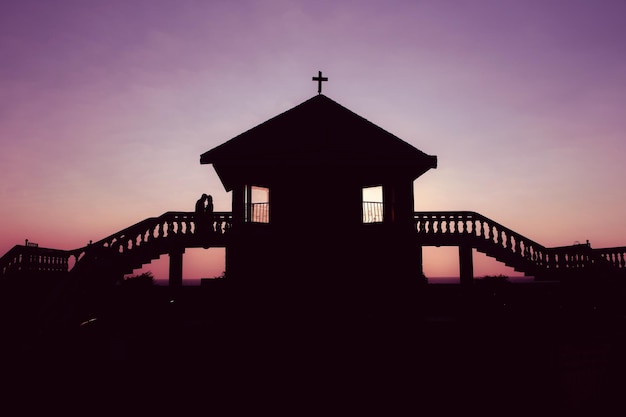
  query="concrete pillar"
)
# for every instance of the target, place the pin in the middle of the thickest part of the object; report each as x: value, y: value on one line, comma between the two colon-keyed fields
x: 466, y: 265
x: 420, y: 261
x: 176, y: 268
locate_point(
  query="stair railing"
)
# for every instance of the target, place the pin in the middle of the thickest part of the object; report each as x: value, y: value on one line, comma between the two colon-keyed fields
x: 169, y: 227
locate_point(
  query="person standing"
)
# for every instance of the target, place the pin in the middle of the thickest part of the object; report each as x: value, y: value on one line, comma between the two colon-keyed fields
x: 209, y: 212
x: 200, y: 216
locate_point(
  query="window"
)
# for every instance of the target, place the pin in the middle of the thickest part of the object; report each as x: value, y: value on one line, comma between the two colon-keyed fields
x: 372, y: 198
x: 257, y: 202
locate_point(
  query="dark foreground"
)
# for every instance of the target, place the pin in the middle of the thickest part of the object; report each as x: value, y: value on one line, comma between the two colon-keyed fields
x: 495, y: 347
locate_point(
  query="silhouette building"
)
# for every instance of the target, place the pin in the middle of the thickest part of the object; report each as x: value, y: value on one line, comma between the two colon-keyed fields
x: 299, y: 184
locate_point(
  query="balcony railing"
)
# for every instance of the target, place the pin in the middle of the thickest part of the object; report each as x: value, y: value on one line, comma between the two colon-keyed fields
x: 372, y: 212
x: 260, y: 213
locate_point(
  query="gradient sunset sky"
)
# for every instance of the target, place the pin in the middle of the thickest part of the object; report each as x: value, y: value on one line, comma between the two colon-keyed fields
x: 106, y: 106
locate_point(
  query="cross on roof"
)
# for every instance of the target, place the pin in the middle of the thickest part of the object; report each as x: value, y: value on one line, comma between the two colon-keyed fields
x: 319, y: 80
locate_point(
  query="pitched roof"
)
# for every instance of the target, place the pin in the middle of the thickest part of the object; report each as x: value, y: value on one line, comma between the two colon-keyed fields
x: 317, y: 131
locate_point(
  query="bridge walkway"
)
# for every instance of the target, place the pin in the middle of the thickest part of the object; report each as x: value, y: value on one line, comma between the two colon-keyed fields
x: 173, y: 232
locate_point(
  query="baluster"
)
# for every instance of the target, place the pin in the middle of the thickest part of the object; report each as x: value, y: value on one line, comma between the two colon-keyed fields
x: 215, y: 224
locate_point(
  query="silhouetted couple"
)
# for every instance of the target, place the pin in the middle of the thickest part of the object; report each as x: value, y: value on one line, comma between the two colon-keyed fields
x: 204, y: 214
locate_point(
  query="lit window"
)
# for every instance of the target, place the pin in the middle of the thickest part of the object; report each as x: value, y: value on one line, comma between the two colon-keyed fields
x: 372, y: 198
x: 257, y: 201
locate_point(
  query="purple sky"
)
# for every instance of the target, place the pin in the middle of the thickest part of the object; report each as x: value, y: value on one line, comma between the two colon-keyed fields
x: 106, y: 106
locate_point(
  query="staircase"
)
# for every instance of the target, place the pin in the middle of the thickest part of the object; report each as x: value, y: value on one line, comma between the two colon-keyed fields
x: 143, y: 242
x: 458, y: 228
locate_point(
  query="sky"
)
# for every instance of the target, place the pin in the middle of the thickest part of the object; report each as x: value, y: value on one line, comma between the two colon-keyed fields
x: 106, y: 106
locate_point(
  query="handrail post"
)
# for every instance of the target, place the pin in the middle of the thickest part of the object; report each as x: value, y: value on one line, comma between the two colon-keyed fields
x: 466, y: 264
x: 176, y: 268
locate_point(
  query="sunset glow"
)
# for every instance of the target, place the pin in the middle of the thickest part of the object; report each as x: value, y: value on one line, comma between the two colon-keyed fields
x: 107, y: 106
